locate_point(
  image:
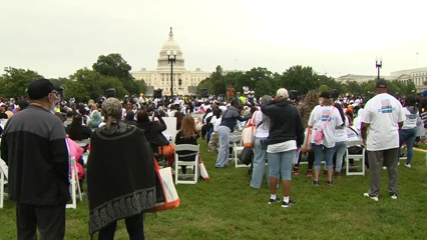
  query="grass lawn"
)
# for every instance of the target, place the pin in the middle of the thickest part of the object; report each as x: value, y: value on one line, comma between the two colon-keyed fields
x: 225, y: 207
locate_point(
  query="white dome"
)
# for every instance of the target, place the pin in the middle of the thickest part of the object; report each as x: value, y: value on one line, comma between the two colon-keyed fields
x: 172, y: 46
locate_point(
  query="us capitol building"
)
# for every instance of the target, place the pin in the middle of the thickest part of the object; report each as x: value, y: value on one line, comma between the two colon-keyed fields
x: 161, y: 77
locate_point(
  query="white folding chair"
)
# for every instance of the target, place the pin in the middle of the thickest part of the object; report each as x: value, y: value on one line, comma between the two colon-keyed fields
x: 194, y: 164
x: 83, y: 142
x: 356, y: 157
x: 236, y: 149
x: 74, y: 185
x: 3, y: 180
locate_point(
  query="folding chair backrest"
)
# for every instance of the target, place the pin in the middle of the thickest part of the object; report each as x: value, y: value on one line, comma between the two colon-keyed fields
x: 193, y: 163
x: 3, y: 175
x: 4, y: 168
x: 187, y: 147
x: 74, y: 185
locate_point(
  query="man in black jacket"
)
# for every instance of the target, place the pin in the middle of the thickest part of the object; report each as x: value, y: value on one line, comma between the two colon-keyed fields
x: 34, y: 147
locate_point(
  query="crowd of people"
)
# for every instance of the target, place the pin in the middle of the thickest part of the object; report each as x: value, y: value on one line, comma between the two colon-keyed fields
x: 125, y: 136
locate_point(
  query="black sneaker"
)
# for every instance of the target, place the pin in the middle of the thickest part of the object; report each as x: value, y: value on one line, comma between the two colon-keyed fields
x: 316, y: 183
x: 272, y: 201
x: 330, y: 183
x: 287, y: 204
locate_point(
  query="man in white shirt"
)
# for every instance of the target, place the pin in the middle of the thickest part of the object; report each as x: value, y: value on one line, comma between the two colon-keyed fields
x: 381, y: 121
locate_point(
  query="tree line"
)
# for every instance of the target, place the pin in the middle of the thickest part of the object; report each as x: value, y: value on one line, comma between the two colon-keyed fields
x: 112, y: 71
x: 299, y: 78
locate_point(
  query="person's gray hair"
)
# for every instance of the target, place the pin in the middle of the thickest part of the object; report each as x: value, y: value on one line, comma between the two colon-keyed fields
x: 266, y: 99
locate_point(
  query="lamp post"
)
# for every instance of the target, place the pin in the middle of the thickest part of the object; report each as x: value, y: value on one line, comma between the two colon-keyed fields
x: 378, y: 65
x: 171, y: 60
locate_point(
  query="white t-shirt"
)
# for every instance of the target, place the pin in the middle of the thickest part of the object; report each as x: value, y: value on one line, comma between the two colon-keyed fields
x: 341, y: 131
x: 215, y: 123
x: 318, y: 117
x: 357, y: 122
x: 410, y: 119
x: 383, y: 112
x: 263, y: 129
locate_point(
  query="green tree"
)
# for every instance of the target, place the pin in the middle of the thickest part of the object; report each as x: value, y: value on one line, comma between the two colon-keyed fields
x: 76, y: 89
x: 15, y: 81
x: 141, y: 85
x: 59, y: 81
x: 94, y: 83
x: 353, y: 88
x: 207, y: 83
x: 218, y: 83
x: 302, y: 79
x: 113, y: 65
x: 411, y: 89
x: 323, y: 88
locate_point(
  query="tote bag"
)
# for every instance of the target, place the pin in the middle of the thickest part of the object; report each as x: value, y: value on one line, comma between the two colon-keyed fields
x: 203, y: 172
x: 171, y: 199
x: 248, y: 133
x: 306, y: 146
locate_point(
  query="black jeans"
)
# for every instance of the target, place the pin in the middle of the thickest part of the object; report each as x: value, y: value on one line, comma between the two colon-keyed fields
x: 134, y: 226
x: 310, y: 160
x: 50, y: 220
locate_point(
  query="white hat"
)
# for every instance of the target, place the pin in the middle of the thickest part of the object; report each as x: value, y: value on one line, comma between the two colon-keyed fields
x: 283, y: 93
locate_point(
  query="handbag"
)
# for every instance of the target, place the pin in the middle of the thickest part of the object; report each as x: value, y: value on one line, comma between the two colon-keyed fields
x: 248, y: 133
x: 169, y: 199
x: 246, y: 155
x: 306, y: 146
x: 319, y: 135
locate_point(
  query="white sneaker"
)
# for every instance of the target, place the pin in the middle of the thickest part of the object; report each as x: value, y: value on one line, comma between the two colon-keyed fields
x: 408, y: 165
x: 375, y: 198
x: 394, y: 196
x: 384, y: 167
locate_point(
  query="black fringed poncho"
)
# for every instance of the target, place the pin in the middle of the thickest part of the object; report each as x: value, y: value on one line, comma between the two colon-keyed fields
x: 120, y: 175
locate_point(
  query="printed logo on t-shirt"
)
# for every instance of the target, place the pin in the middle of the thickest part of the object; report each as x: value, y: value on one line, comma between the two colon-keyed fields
x: 411, y: 116
x: 386, y: 107
x: 325, y: 114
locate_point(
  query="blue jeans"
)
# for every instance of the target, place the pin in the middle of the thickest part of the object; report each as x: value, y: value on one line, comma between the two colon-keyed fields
x: 134, y: 226
x: 281, y: 162
x: 224, y: 145
x: 408, y: 136
x: 258, y: 164
x: 340, y: 148
x: 318, y: 156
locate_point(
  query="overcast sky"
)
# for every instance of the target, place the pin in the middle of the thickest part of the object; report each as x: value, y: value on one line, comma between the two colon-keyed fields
x: 57, y: 37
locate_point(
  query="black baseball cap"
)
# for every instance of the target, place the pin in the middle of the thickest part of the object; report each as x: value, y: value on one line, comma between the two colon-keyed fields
x: 40, y: 88
x: 325, y: 94
x: 381, y: 84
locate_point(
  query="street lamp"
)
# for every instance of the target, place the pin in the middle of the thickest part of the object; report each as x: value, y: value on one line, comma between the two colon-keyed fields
x: 171, y: 60
x: 378, y: 65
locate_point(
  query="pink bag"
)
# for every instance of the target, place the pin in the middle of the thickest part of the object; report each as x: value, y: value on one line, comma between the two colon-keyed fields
x: 318, y: 134
x: 74, y: 150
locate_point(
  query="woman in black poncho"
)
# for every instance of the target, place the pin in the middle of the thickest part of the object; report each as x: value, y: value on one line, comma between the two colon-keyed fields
x: 120, y: 176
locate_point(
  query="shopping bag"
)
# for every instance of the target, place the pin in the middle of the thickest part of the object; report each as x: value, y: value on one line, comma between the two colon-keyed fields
x: 306, y: 146
x: 74, y: 149
x: 171, y: 199
x: 248, y: 133
x: 203, y: 172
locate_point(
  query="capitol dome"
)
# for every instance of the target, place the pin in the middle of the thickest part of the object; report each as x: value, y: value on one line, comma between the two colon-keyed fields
x: 172, y: 46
